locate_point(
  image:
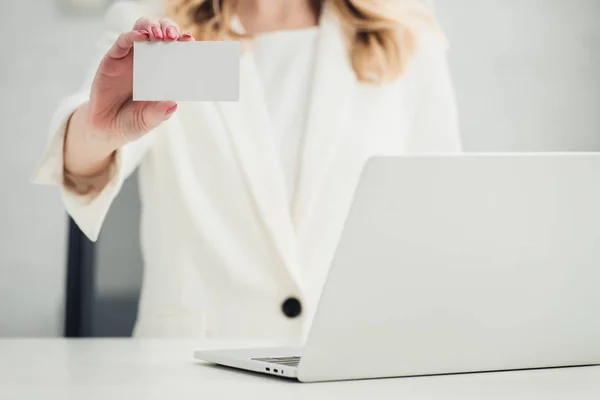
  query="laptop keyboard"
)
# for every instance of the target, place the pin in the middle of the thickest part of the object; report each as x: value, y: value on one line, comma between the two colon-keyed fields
x: 291, y: 361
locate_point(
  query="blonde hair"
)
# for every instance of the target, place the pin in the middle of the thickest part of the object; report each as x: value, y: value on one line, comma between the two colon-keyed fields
x: 382, y: 35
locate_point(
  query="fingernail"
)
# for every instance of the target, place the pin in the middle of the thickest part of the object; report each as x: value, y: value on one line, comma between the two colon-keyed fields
x: 171, y: 110
x: 187, y: 36
x: 171, y: 33
x: 157, y: 32
x: 143, y: 32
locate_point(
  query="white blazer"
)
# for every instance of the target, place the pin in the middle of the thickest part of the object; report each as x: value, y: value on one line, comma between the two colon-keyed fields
x: 222, y: 247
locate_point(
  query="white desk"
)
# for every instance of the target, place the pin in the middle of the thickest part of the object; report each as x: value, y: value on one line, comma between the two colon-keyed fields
x: 154, y: 369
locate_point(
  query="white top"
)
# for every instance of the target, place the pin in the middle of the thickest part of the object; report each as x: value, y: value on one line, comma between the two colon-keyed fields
x: 165, y: 369
x: 284, y: 61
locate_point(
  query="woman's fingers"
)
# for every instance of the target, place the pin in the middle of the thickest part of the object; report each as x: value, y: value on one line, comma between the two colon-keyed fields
x: 150, y: 25
x: 156, y: 34
x: 186, y: 37
x: 124, y: 43
x: 164, y: 29
x: 170, y: 29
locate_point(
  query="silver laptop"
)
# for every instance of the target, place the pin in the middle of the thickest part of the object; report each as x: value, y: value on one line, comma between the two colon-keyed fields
x: 451, y: 264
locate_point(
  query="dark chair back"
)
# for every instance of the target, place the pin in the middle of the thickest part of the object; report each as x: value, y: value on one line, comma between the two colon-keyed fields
x: 80, y: 284
x: 104, y: 278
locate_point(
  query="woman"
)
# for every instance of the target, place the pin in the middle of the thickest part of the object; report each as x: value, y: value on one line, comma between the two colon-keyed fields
x: 243, y: 203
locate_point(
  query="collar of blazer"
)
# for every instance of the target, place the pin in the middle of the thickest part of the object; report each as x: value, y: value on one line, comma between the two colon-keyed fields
x: 250, y: 129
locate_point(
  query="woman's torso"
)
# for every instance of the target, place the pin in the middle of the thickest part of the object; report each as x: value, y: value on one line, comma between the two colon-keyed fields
x: 225, y: 241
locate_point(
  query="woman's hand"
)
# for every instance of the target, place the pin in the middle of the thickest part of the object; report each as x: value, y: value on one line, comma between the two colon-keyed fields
x: 111, y: 109
x: 111, y: 118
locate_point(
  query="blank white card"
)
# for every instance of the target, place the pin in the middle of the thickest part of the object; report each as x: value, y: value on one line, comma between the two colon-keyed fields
x: 186, y: 71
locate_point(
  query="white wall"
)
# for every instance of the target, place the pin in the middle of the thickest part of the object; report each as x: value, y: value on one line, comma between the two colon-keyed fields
x: 527, y: 72
x: 43, y: 54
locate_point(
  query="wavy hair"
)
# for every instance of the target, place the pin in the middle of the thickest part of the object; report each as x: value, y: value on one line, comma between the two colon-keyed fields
x: 382, y: 35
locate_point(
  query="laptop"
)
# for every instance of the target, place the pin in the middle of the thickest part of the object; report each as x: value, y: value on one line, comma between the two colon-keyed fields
x: 456, y: 264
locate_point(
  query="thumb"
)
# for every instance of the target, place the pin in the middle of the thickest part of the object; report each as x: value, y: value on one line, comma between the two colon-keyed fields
x: 140, y: 117
x: 154, y: 113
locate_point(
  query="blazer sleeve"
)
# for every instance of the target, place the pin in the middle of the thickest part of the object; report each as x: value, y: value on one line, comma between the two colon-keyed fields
x: 89, y: 210
x: 436, y: 123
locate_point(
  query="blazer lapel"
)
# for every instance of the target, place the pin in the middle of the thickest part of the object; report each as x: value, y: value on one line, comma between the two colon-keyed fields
x: 250, y: 130
x: 333, y: 88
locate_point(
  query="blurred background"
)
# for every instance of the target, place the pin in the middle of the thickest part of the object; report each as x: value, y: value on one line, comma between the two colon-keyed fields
x: 527, y: 76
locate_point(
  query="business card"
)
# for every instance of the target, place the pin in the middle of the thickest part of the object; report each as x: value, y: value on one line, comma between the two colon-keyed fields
x: 186, y: 71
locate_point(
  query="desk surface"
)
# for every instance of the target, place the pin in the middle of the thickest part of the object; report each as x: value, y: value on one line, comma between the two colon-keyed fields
x: 165, y: 369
